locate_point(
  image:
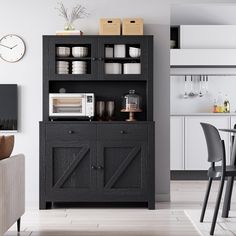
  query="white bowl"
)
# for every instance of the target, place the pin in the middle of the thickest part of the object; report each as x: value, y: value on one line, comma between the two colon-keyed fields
x: 62, y: 63
x: 79, y: 68
x: 79, y: 72
x: 62, y: 69
x: 134, y: 53
x: 80, y: 54
x: 134, y: 49
x: 80, y: 48
x: 63, y: 51
x: 79, y: 51
x: 79, y: 62
x: 62, y: 72
x: 79, y: 65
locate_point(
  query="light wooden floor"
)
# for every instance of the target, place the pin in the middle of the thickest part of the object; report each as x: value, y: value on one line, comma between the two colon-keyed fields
x: 178, y: 218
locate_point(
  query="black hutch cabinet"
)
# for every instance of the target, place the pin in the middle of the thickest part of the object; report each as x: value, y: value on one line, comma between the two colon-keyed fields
x: 94, y: 161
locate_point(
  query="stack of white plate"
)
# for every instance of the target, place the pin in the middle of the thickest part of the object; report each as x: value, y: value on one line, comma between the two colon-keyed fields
x: 134, y: 52
x: 80, y: 51
x: 62, y: 67
x: 63, y: 51
x: 79, y: 67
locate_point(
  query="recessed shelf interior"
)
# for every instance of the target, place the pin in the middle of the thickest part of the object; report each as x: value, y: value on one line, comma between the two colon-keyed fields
x: 104, y: 91
x: 120, y: 53
x: 127, y: 47
x: 70, y: 59
x: 175, y: 35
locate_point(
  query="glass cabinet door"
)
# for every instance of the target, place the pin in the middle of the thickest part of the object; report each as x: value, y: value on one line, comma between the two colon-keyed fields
x: 72, y: 57
x: 123, y: 57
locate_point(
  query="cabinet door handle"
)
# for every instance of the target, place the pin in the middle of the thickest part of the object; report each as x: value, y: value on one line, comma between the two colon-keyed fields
x: 70, y: 132
x: 122, y: 132
x: 94, y: 58
x: 100, y: 167
x: 93, y: 167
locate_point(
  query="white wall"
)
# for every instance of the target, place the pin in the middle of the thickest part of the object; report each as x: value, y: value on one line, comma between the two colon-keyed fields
x: 32, y: 19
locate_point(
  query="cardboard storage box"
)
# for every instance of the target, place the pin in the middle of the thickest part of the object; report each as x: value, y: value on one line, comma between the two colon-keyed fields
x: 111, y: 26
x: 132, y: 26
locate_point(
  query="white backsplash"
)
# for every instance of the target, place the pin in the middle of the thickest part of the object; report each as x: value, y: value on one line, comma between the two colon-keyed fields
x: 216, y: 84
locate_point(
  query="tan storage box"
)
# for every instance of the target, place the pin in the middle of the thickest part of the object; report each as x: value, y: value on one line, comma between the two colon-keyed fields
x: 132, y: 26
x: 111, y: 26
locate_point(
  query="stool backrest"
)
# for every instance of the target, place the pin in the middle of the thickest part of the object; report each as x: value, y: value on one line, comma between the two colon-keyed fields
x: 215, y: 146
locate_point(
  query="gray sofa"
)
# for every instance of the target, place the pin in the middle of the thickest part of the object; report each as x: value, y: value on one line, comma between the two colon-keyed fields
x: 12, y: 191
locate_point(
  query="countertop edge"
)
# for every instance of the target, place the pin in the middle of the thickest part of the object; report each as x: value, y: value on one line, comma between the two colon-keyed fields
x: 204, y: 114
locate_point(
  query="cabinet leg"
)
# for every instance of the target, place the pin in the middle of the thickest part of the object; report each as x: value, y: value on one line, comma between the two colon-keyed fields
x: 42, y: 205
x: 151, y: 205
x: 18, y: 225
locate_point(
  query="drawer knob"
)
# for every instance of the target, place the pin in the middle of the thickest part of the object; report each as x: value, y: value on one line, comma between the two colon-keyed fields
x: 122, y: 132
x: 100, y: 167
x: 93, y: 167
x: 70, y: 132
x: 94, y: 58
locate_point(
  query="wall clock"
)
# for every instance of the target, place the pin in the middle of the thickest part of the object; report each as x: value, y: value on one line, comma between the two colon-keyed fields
x: 12, y: 48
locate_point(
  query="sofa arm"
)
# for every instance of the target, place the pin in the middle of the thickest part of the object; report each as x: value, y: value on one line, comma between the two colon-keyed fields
x: 12, y: 191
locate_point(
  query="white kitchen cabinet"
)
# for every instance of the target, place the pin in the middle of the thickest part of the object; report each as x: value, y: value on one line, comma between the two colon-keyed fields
x: 195, y: 144
x: 208, y: 36
x: 203, y: 57
x: 177, y: 143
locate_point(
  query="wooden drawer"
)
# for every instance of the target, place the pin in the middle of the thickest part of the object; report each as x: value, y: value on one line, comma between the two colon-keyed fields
x: 70, y: 132
x: 122, y: 132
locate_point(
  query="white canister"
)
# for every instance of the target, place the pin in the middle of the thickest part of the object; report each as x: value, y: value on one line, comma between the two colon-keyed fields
x: 113, y: 68
x: 109, y: 52
x: 132, y: 68
x: 119, y: 50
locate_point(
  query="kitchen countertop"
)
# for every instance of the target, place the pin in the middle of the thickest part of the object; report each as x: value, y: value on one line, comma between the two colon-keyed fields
x: 204, y: 114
